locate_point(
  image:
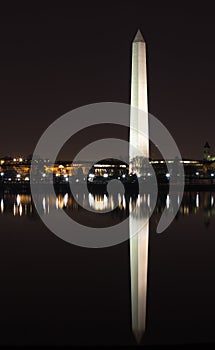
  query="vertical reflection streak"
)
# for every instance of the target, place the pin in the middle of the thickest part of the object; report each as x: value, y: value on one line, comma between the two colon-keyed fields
x: 138, y: 270
x: 2, y: 206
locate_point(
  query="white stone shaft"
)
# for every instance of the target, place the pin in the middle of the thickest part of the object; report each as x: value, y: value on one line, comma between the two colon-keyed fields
x: 139, y: 129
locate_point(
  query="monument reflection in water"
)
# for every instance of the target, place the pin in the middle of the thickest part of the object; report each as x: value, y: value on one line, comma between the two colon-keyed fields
x: 193, y: 203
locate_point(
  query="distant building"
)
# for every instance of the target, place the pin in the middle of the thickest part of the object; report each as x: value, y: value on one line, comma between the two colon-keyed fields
x: 207, y: 152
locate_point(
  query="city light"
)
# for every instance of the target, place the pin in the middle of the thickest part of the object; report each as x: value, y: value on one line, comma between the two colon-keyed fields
x: 10, y: 166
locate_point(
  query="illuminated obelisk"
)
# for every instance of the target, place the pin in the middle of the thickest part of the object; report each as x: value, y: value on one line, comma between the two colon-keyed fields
x: 139, y: 100
x: 139, y: 147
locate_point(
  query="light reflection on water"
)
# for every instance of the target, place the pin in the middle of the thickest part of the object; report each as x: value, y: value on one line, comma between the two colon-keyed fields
x: 192, y: 203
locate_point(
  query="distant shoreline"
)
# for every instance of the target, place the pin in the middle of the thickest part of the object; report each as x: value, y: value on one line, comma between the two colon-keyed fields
x: 100, y: 188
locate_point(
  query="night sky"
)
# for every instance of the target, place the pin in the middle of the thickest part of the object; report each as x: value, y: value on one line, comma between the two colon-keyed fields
x: 55, y: 58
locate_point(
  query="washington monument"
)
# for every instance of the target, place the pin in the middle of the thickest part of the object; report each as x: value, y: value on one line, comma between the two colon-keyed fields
x: 139, y: 147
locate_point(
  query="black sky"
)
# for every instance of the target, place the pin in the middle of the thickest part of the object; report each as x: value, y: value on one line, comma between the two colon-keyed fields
x: 58, y: 57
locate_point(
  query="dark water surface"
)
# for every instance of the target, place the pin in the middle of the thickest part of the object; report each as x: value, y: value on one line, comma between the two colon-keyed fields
x: 55, y: 293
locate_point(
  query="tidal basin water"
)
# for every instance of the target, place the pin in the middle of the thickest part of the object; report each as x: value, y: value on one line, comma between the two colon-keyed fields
x: 53, y: 292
